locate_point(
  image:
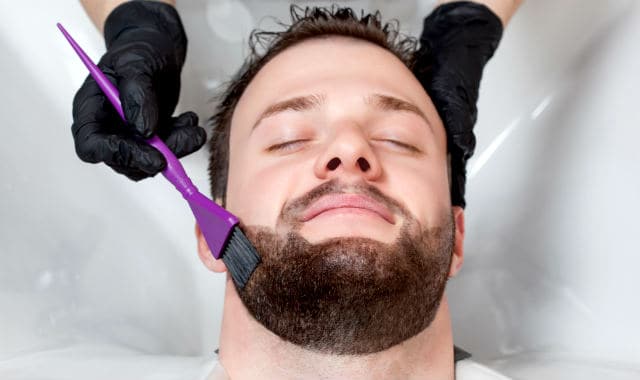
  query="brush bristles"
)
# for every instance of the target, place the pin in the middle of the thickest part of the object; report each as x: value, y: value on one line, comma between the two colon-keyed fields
x: 240, y: 257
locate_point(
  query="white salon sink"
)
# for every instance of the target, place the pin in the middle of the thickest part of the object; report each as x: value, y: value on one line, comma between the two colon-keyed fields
x: 95, y: 268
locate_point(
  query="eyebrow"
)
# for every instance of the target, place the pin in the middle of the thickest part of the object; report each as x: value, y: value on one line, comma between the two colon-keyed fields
x: 313, y: 101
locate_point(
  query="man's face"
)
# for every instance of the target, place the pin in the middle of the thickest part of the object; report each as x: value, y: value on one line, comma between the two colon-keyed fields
x: 337, y: 170
x: 345, y: 133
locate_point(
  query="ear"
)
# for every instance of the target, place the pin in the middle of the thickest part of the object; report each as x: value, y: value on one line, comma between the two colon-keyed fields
x: 458, y: 248
x: 206, y: 256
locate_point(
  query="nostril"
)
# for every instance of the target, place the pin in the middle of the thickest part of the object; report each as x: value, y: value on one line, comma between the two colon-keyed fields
x: 364, y: 165
x: 333, y: 164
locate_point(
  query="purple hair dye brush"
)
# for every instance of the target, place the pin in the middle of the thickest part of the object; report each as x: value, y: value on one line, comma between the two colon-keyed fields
x: 219, y: 227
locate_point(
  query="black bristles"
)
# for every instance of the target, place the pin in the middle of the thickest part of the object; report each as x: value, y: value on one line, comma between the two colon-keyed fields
x: 240, y: 257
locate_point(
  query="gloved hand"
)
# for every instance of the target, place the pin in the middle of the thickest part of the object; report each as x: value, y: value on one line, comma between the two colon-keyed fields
x: 457, y: 41
x: 146, y: 48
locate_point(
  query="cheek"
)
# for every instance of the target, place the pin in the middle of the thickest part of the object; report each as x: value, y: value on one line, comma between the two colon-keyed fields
x: 423, y: 187
x: 241, y: 200
x: 257, y: 187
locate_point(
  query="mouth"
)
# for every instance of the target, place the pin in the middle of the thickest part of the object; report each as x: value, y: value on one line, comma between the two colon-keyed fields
x: 352, y: 203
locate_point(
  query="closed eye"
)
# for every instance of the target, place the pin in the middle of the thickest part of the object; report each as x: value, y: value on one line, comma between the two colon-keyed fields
x: 286, y: 146
x: 403, y: 145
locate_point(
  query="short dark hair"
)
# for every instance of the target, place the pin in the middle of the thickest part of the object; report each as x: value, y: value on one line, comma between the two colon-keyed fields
x: 307, y: 23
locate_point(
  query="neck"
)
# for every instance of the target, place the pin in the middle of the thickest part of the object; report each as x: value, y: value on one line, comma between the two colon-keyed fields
x: 250, y: 351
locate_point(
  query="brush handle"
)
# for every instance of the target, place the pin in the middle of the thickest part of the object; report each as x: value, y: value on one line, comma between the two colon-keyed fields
x: 174, y: 172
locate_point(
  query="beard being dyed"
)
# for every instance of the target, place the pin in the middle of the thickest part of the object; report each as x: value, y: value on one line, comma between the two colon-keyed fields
x: 349, y: 295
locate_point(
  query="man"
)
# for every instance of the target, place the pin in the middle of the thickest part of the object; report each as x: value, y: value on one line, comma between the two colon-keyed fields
x: 336, y: 160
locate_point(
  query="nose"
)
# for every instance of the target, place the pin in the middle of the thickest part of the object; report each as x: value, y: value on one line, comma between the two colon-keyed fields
x: 349, y: 154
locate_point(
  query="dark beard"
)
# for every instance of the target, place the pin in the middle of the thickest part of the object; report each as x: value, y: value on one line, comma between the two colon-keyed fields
x: 349, y: 295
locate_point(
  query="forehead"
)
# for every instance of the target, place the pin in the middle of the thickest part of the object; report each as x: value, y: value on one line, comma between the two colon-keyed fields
x: 336, y: 66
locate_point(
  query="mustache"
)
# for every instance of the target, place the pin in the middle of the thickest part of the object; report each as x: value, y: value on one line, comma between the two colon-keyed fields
x: 292, y: 211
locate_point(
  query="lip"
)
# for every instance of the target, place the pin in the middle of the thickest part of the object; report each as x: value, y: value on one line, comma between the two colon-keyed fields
x: 336, y: 201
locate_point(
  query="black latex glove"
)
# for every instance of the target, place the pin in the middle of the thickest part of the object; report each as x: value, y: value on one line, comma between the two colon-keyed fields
x: 146, y: 48
x: 457, y: 41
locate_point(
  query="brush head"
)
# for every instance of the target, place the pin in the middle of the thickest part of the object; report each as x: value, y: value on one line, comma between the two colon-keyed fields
x: 225, y: 238
x: 240, y: 257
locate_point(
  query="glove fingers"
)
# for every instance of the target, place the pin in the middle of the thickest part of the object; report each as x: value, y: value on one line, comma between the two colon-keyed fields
x: 92, y: 115
x: 185, y: 136
x: 132, y: 153
x: 185, y: 119
x: 140, y: 104
x: 118, y: 151
x: 91, y: 106
x: 132, y: 174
